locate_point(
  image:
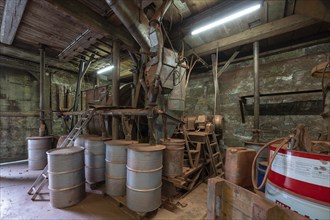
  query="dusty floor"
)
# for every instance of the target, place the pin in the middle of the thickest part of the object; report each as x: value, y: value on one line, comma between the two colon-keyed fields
x: 15, y: 203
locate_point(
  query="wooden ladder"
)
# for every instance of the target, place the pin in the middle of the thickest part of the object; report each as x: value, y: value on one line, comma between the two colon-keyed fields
x: 193, y: 153
x: 215, y: 155
x: 68, y: 141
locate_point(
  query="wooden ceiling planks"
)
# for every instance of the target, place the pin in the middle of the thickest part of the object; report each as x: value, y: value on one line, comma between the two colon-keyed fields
x: 102, y: 8
x: 43, y: 23
x: 99, y: 6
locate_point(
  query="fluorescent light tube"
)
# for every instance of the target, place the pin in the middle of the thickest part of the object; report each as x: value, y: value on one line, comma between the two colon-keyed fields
x: 104, y: 69
x: 226, y: 19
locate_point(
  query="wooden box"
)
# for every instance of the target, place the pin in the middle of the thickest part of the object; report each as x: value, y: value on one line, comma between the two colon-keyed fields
x: 229, y: 201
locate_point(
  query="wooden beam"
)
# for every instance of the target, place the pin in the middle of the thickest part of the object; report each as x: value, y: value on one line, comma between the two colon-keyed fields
x: 26, y: 65
x: 223, y: 69
x: 12, y: 15
x: 95, y: 21
x: 261, y: 32
x: 14, y: 52
x: 19, y: 114
x: 18, y: 64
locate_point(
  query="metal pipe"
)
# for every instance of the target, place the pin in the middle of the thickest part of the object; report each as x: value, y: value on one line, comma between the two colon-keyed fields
x: 135, y: 76
x: 154, y: 89
x: 115, y: 86
x: 256, y: 84
x: 134, y: 20
x: 214, y: 58
x: 42, y: 128
x: 161, y: 11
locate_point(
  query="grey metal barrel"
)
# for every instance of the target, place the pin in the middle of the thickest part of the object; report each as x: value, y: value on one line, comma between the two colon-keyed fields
x: 173, y: 157
x: 115, y: 169
x: 66, y: 176
x: 80, y: 140
x: 94, y: 159
x: 37, y: 148
x: 60, y: 140
x: 144, y: 177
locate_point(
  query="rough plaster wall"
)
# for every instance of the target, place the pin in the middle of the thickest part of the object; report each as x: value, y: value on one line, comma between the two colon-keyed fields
x: 18, y: 93
x: 289, y: 71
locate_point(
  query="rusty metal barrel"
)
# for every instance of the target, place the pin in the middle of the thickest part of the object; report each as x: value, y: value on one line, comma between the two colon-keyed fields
x: 94, y: 159
x: 115, y: 168
x: 173, y: 157
x: 66, y: 176
x: 37, y: 148
x: 144, y: 177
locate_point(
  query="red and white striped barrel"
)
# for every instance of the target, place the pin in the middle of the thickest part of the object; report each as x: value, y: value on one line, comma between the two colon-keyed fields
x: 300, y: 181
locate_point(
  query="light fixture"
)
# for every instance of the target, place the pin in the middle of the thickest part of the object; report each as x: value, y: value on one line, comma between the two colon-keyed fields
x: 104, y: 69
x: 226, y: 19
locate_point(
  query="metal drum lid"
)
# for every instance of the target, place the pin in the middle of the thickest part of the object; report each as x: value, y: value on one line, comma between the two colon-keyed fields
x: 146, y: 147
x: 120, y: 142
x: 65, y: 151
x: 38, y: 138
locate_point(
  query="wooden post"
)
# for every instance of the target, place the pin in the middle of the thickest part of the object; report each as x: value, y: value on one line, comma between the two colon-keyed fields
x: 115, y: 87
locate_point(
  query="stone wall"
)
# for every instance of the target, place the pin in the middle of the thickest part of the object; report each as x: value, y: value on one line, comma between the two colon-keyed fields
x: 66, y: 82
x: 284, y: 72
x: 19, y: 93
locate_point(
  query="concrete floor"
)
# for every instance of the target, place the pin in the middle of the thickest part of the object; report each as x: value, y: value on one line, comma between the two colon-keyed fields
x: 15, y: 203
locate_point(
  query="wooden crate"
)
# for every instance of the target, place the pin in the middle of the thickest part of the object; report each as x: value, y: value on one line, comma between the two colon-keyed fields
x: 229, y: 201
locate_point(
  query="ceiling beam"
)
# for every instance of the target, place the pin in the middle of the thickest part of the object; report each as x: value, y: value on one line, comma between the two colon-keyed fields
x: 14, y: 52
x: 28, y: 66
x: 95, y: 21
x: 12, y: 15
x: 18, y: 64
x: 261, y: 32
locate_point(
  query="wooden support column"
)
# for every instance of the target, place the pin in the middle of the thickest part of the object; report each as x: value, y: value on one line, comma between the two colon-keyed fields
x: 42, y: 127
x: 47, y: 102
x: 12, y: 15
x: 256, y: 89
x: 214, y: 58
x: 115, y: 87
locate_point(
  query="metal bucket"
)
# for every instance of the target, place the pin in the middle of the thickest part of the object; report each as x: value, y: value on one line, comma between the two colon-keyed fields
x: 37, y: 148
x: 144, y: 177
x: 66, y: 176
x: 115, y: 169
x: 173, y: 157
x: 262, y: 167
x: 94, y: 159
